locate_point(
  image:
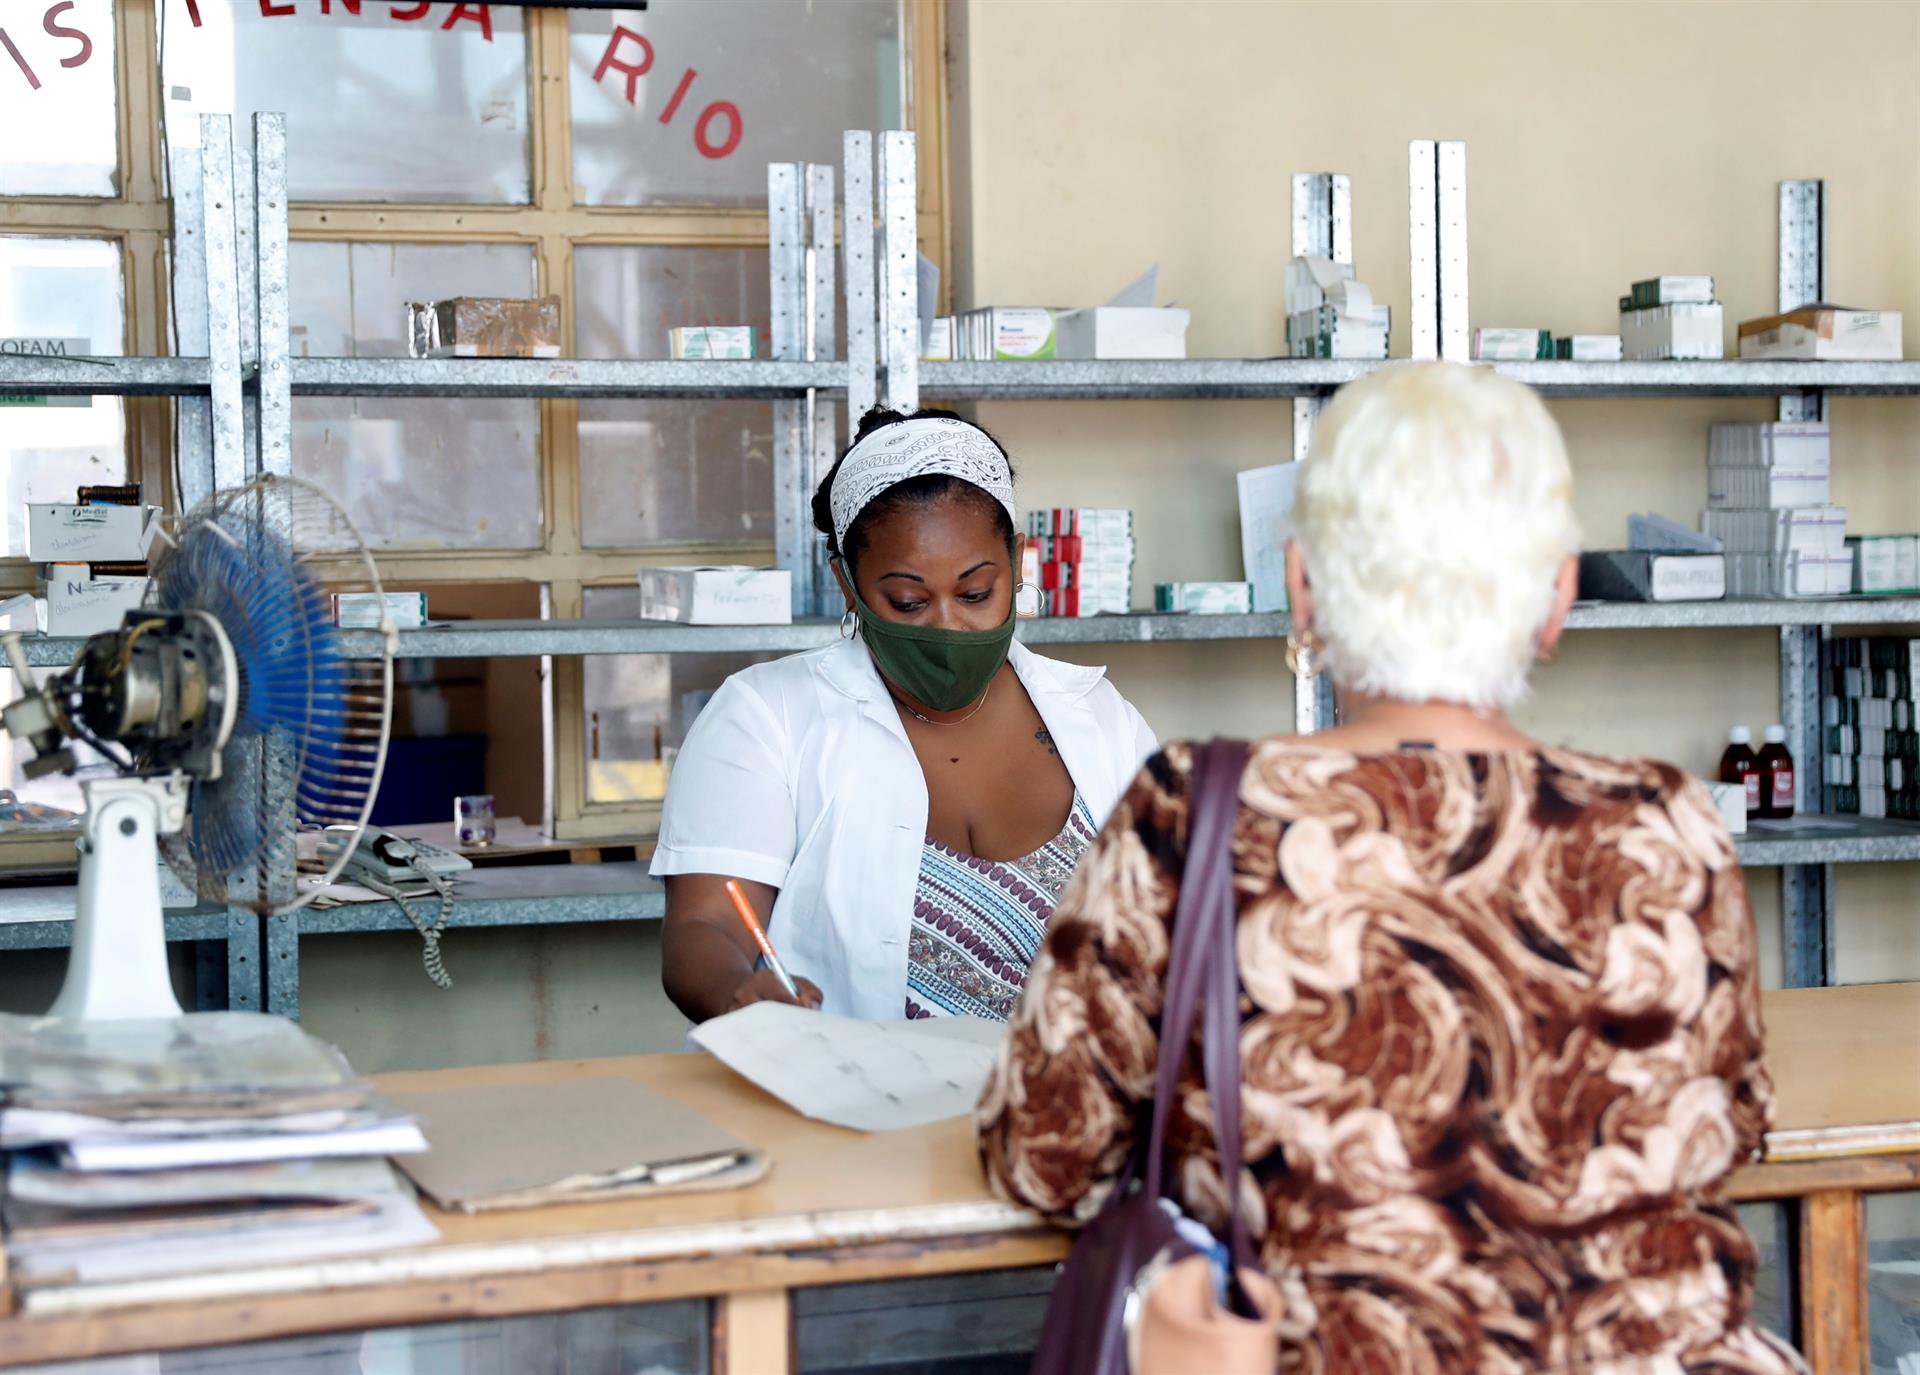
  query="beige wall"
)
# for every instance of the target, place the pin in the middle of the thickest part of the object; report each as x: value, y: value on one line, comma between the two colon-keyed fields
x: 1605, y: 142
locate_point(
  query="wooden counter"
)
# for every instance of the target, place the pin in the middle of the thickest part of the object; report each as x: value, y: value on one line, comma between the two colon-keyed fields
x: 842, y: 1206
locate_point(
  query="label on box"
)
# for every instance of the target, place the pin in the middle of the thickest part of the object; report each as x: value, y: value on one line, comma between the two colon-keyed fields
x: 46, y: 347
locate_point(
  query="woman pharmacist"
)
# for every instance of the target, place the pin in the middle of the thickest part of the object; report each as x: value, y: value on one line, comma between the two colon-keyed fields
x: 904, y: 806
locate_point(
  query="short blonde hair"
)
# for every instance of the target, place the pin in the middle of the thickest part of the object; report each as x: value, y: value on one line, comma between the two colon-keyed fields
x: 1434, y: 510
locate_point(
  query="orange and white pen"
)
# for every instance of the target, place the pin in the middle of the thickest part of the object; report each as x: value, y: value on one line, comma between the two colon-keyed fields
x: 759, y: 934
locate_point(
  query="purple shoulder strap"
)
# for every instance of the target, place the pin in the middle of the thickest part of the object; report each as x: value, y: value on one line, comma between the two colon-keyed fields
x: 1203, y: 976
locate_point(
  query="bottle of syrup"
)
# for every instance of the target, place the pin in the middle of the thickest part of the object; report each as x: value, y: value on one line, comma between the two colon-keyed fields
x: 1741, y: 765
x: 1776, y: 776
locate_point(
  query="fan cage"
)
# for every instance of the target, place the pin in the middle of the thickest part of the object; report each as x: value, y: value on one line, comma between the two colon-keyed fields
x: 310, y: 742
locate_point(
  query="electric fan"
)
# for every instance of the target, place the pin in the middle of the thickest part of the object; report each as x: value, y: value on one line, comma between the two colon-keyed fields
x: 232, y: 718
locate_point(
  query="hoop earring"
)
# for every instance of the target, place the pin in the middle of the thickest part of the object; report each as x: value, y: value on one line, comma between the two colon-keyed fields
x: 849, y: 624
x: 1030, y: 611
x: 1303, y: 653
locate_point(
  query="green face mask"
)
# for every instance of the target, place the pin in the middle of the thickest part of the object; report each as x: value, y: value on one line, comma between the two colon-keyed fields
x: 944, y: 670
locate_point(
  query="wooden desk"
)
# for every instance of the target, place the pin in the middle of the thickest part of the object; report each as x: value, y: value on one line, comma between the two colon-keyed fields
x: 840, y: 1206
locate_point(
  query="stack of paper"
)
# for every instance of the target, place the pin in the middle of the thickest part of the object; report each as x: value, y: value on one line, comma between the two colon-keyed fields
x: 204, y: 1142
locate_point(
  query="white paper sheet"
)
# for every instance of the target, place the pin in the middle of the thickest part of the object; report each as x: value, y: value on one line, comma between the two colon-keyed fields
x: 871, y: 1076
x: 1266, y: 524
x: 399, y: 1137
x: 1140, y: 291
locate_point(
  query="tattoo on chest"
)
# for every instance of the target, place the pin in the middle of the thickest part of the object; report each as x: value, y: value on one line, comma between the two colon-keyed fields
x: 1045, y: 737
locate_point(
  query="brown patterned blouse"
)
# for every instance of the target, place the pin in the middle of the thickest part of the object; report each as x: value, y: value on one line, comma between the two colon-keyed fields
x: 1500, y: 1045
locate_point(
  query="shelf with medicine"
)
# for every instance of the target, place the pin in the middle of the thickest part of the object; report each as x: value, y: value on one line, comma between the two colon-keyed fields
x: 479, y: 639
x: 1230, y: 378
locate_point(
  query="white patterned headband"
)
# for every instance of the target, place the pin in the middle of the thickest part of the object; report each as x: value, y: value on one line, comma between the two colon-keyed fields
x: 921, y: 447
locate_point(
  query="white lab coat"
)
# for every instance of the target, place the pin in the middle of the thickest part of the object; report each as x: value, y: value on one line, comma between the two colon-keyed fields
x: 798, y: 774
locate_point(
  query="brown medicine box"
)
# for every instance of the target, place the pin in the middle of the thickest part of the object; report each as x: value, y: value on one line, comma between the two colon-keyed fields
x: 484, y: 327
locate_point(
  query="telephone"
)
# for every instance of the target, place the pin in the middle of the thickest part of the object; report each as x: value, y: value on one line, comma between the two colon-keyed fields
x: 400, y: 869
x: 394, y: 860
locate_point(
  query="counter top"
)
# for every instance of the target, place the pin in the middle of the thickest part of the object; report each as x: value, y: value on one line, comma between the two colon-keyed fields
x: 840, y: 1205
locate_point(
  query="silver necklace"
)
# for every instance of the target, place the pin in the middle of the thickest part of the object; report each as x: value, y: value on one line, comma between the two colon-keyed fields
x: 901, y: 702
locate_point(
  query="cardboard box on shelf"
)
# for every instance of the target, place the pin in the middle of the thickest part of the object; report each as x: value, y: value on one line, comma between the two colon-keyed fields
x: 1641, y: 575
x: 1511, y: 345
x: 1204, y: 598
x: 1683, y: 331
x: 1823, y: 331
x: 1667, y: 291
x: 710, y: 342
x: 77, y: 603
x: 1123, y: 332
x: 484, y: 327
x: 362, y: 610
x: 1588, y: 348
x: 717, y: 596
x: 90, y: 534
x: 1018, y: 334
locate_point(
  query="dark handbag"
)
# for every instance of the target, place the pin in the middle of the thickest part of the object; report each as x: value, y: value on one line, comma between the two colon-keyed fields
x: 1113, y: 1306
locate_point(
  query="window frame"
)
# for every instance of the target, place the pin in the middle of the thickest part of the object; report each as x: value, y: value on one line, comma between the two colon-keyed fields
x: 552, y: 224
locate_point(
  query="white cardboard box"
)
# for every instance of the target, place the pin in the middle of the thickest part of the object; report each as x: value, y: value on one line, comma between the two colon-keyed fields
x: 717, y: 596
x: 79, y: 604
x: 90, y: 534
x: 1676, y: 331
x: 1123, y: 332
x: 362, y: 610
x: 1731, y: 799
x: 1823, y: 332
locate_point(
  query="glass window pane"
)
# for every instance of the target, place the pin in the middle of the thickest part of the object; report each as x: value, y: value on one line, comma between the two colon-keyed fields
x: 61, y: 85
x: 64, y: 295
x: 641, y: 706
x: 1773, y: 1294
x: 686, y: 102
x: 664, y: 1338
x: 978, y: 1324
x: 413, y: 474
x: 1893, y: 1282
x: 671, y: 472
x: 424, y: 102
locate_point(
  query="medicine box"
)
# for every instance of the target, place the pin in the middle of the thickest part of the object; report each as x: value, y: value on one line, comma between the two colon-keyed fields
x: 710, y: 342
x: 1512, y: 345
x: 1823, y: 332
x: 1204, y: 598
x: 1731, y: 799
x: 1123, y: 332
x: 1730, y: 488
x: 1885, y: 564
x: 1006, y: 334
x: 1640, y: 575
x: 936, y: 340
x: 1666, y: 291
x: 1675, y: 331
x: 1327, y: 332
x: 362, y: 610
x: 1798, y: 445
x: 77, y: 603
x: 484, y: 327
x: 717, y: 596
x: 90, y: 534
x: 1588, y: 348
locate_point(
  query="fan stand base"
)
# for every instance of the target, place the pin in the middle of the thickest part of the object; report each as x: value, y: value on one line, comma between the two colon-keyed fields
x: 118, y: 968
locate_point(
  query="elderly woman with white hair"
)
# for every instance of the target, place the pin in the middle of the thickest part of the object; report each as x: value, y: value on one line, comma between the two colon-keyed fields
x: 1499, y: 1029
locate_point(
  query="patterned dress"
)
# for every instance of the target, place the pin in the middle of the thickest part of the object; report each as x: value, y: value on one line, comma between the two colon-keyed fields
x: 977, y: 923
x: 1500, y: 1041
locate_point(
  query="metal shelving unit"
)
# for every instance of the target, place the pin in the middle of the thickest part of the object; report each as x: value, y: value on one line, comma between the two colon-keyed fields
x: 1254, y: 379
x: 235, y: 421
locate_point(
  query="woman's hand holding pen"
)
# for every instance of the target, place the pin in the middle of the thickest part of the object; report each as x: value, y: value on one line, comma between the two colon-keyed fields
x: 763, y: 986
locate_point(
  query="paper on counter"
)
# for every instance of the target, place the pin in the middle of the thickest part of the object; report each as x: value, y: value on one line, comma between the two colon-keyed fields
x: 870, y: 1076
